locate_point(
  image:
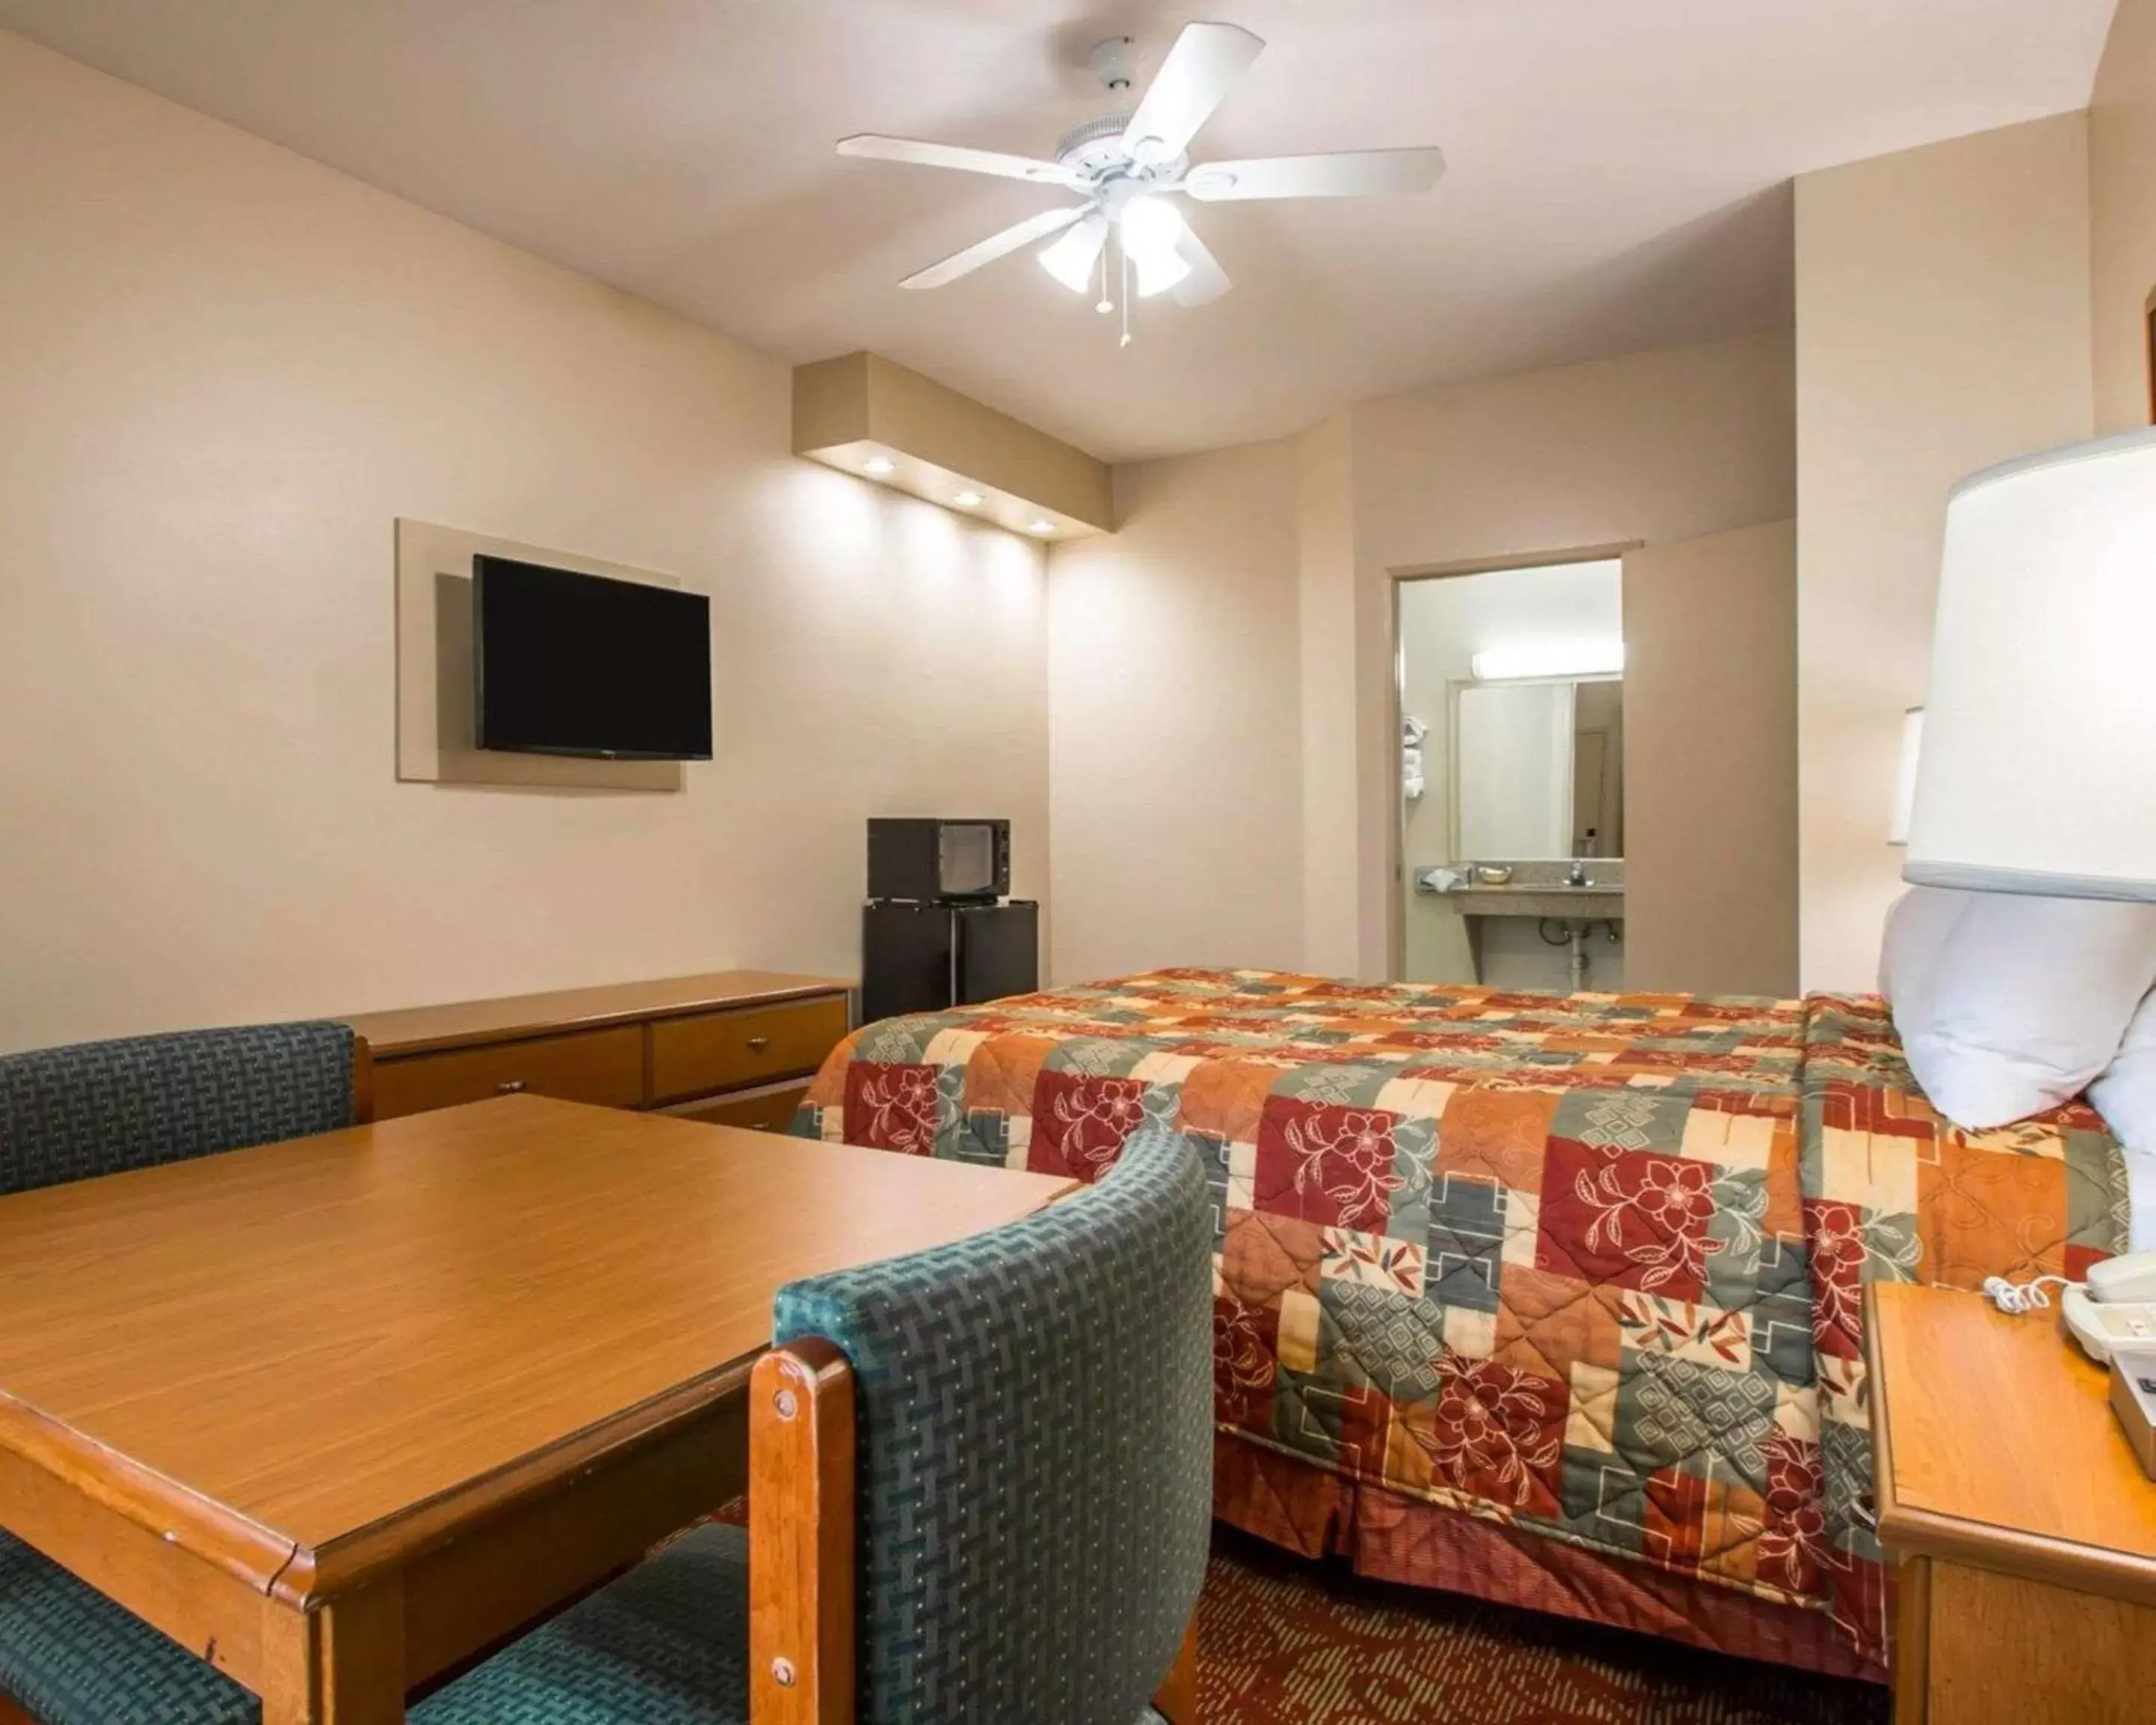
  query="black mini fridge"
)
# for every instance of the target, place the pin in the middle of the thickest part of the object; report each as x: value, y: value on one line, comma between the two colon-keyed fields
x: 920, y: 956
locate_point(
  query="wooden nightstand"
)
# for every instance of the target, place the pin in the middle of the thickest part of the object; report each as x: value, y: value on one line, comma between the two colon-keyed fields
x: 2024, y: 1528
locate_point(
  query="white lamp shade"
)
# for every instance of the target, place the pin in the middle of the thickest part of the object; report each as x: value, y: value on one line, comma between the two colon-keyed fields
x: 1905, y: 783
x: 1152, y: 228
x: 2038, y: 772
x: 1074, y: 254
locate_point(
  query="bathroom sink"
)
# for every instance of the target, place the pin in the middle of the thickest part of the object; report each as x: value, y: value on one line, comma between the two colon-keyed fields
x: 1595, y: 902
x: 1537, y: 888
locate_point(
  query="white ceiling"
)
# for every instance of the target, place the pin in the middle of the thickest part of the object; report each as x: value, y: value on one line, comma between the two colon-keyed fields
x: 1618, y: 179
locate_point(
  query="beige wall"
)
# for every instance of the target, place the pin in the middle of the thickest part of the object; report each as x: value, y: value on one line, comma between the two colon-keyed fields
x: 2123, y: 216
x: 1653, y: 447
x: 1231, y: 798
x: 1177, y: 733
x: 1325, y: 550
x: 1943, y: 324
x: 1711, y: 740
x: 225, y: 370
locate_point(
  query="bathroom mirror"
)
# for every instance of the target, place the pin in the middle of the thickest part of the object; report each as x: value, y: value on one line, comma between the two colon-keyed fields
x: 1537, y: 768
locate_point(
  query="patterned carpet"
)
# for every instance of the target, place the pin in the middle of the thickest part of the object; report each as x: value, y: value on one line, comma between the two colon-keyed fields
x: 1284, y: 1641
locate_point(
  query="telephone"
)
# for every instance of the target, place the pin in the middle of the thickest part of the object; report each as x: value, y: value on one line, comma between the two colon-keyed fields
x: 2115, y: 1307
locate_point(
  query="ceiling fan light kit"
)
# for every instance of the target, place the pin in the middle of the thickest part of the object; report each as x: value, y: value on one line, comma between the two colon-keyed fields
x: 1073, y: 258
x: 1128, y: 167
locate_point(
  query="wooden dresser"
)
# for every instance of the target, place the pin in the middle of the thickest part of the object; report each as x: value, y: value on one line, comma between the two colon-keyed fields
x: 2024, y: 1527
x: 735, y: 1047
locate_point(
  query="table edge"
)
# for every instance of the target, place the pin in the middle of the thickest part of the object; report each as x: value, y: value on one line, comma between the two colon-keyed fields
x: 354, y: 1558
x: 174, y: 1513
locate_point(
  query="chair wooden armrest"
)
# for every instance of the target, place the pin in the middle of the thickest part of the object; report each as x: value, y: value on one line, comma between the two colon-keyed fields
x: 801, y: 1622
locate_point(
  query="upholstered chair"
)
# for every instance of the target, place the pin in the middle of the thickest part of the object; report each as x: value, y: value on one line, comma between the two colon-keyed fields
x: 68, y: 1655
x: 980, y: 1495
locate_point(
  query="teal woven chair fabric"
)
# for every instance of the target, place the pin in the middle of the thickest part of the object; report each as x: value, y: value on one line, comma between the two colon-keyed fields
x: 666, y: 1644
x: 68, y: 1656
x: 1034, y: 1414
x: 105, y: 1107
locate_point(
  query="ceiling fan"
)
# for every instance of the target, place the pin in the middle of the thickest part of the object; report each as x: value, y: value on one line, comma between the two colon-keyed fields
x: 1128, y: 167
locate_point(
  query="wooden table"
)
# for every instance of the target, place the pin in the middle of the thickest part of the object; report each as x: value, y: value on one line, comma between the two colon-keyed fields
x: 2025, y: 1529
x: 336, y: 1413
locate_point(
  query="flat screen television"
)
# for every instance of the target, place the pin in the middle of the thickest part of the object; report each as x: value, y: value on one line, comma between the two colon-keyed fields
x: 568, y: 664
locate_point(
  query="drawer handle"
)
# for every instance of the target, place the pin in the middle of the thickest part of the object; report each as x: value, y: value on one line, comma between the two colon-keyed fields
x: 757, y: 1044
x: 509, y: 1087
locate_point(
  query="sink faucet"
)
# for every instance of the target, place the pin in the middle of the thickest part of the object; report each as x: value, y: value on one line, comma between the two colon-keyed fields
x: 1578, y: 877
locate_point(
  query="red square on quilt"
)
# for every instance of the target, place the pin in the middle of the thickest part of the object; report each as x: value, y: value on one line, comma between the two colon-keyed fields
x: 1081, y: 1122
x: 892, y: 1105
x: 1494, y: 1431
x: 1626, y: 1218
x: 1326, y: 1163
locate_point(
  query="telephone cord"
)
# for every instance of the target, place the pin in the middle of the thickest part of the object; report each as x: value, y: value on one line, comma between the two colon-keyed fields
x: 2021, y: 1298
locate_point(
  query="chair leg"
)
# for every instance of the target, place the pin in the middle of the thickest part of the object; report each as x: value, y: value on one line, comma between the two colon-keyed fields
x: 1176, y: 1702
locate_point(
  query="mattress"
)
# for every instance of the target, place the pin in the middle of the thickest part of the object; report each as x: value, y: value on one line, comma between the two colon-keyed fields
x: 1584, y: 1272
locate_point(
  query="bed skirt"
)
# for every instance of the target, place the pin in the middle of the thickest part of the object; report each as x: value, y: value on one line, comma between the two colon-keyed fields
x: 1390, y: 1537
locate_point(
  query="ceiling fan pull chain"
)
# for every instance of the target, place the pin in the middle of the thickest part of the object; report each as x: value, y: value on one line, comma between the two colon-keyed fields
x: 1123, y: 252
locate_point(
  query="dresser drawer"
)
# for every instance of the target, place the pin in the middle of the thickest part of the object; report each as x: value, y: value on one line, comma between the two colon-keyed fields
x: 603, y: 1066
x: 726, y: 1050
x: 760, y: 1110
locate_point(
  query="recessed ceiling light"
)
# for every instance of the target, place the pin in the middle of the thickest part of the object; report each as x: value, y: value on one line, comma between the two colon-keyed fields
x: 967, y: 499
x: 1040, y: 527
x: 879, y: 466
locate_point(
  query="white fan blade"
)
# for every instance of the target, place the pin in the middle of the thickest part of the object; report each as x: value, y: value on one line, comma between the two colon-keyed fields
x: 1195, y: 78
x: 1207, y: 281
x: 972, y: 161
x: 1351, y: 173
x: 987, y: 250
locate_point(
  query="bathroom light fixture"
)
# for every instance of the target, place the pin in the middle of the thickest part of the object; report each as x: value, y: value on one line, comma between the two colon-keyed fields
x: 1040, y: 527
x: 1549, y: 658
x: 967, y: 499
x: 879, y: 466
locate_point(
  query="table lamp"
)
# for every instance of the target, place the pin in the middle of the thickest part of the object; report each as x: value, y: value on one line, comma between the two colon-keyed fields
x: 2038, y: 770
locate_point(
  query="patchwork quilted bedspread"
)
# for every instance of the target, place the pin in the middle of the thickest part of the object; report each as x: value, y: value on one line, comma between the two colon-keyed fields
x: 1591, y: 1266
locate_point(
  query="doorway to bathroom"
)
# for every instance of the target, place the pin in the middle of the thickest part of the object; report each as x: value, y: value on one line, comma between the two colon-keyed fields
x: 1510, y: 781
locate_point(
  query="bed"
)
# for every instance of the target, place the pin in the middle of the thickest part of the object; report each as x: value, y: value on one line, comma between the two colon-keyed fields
x: 1552, y: 1300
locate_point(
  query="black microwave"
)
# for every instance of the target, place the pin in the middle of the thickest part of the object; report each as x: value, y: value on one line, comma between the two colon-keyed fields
x: 953, y: 861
